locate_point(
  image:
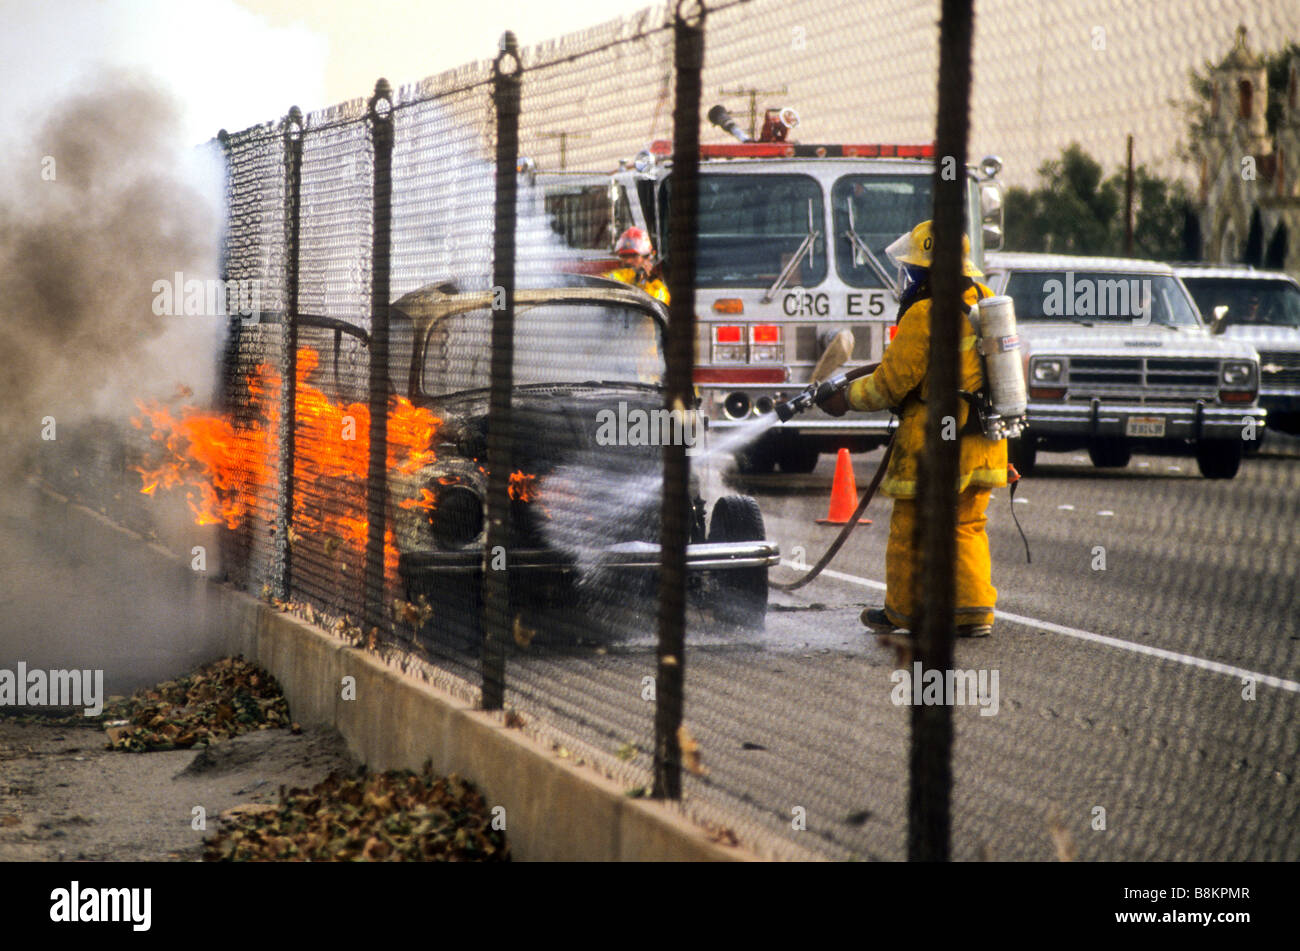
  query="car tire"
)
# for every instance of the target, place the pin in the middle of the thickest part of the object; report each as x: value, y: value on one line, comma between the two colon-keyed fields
x: 1109, y: 453
x: 797, y: 459
x: 1023, y: 454
x: 740, y: 593
x: 1219, y: 458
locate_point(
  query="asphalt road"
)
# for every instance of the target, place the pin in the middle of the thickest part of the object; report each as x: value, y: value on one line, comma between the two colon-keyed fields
x: 1147, y: 709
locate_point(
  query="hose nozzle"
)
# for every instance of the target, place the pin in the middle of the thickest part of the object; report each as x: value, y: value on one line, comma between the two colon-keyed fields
x: 790, y: 408
x: 814, y: 393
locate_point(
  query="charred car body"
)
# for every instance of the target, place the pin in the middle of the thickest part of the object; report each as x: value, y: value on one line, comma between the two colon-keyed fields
x: 1117, y: 359
x: 585, y: 499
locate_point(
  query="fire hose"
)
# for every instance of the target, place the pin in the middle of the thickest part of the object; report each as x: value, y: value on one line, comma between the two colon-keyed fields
x: 816, y: 393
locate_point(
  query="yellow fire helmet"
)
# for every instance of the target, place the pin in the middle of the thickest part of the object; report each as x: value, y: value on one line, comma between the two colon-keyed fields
x: 917, y: 248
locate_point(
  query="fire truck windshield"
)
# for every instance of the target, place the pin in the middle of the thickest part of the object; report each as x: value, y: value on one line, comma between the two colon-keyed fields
x: 876, y: 209
x: 750, y: 226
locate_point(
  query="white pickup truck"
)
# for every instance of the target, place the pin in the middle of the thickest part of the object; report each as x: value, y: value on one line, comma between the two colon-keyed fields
x: 1261, y: 308
x: 1118, y: 358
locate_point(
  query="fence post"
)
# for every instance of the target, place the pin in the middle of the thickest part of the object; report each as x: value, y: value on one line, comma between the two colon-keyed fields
x: 229, y: 359
x: 500, y: 443
x: 931, y: 753
x: 381, y: 128
x: 228, y: 362
x: 679, y: 396
x: 289, y: 352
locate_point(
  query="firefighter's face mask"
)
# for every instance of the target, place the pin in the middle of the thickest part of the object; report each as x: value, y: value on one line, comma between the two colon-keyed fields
x: 898, y: 250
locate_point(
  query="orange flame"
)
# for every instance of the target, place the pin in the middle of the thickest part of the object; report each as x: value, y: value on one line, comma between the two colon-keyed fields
x: 523, y: 487
x: 425, y: 502
x: 225, y: 465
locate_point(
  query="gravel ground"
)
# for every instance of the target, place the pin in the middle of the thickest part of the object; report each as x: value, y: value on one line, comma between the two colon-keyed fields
x: 64, y: 797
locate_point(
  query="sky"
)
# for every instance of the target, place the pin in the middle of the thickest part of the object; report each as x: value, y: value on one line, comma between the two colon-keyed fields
x: 235, y: 63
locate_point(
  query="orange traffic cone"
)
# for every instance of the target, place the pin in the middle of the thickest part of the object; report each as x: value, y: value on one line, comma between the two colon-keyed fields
x: 844, y: 494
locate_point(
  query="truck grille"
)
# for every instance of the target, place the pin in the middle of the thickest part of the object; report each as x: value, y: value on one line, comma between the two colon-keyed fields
x: 1143, y: 379
x: 1289, y: 375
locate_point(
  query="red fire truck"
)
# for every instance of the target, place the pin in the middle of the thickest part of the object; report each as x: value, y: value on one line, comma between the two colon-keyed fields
x: 791, y: 246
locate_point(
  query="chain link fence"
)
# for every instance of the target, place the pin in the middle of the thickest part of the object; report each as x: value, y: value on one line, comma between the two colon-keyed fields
x: 448, y: 427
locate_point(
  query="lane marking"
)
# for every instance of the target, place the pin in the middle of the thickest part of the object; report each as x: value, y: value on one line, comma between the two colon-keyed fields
x: 1213, y: 666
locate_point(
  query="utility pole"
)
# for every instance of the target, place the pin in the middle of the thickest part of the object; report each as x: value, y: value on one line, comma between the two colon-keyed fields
x: 753, y: 95
x: 564, y: 143
x: 1128, y: 202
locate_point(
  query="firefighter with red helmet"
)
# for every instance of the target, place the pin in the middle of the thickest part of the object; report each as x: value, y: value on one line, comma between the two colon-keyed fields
x: 637, y: 254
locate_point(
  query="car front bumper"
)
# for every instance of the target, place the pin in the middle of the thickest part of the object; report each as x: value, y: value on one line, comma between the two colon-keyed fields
x: 1097, y: 418
x: 635, y: 556
x: 1280, y: 400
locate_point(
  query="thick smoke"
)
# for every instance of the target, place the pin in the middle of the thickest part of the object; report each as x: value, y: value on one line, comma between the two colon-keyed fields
x: 100, y: 203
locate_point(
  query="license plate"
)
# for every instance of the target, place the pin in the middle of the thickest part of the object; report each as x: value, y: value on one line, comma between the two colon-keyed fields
x: 1145, y: 426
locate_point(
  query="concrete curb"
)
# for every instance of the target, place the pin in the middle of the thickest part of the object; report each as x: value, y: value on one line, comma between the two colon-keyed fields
x: 555, y: 810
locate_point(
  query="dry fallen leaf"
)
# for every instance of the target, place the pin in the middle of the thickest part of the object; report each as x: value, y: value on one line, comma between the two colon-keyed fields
x: 523, y: 635
x: 690, y: 752
x: 720, y: 834
x: 223, y: 699
x: 1066, y: 850
x: 393, y: 816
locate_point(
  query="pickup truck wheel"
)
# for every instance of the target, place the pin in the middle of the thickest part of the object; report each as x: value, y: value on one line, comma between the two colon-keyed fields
x: 1023, y: 454
x: 1219, y: 458
x: 1109, y: 453
x: 741, y: 593
x: 798, y: 460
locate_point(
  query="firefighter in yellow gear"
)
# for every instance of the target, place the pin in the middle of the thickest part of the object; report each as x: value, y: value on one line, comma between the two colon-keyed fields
x: 637, y: 254
x: 902, y: 382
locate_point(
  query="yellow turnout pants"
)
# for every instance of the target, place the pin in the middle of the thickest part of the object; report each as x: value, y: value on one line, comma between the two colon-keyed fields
x: 976, y: 596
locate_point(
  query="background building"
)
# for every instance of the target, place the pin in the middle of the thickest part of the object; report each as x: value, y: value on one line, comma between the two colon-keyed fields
x: 1246, y: 168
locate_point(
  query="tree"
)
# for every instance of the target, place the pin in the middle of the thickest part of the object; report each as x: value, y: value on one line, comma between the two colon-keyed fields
x: 1159, y: 215
x: 1193, y: 244
x: 1077, y: 211
x: 1253, y: 254
x: 1275, y: 256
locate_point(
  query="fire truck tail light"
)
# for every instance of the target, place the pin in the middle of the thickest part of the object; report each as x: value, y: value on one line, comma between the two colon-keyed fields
x: 729, y: 305
x: 765, y: 344
x: 729, y: 344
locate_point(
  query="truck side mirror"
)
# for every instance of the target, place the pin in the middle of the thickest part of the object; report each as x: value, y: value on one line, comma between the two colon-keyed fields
x: 1220, y: 322
x: 991, y: 212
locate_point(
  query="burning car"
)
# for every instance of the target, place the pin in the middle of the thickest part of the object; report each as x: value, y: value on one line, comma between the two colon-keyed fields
x: 584, y: 496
